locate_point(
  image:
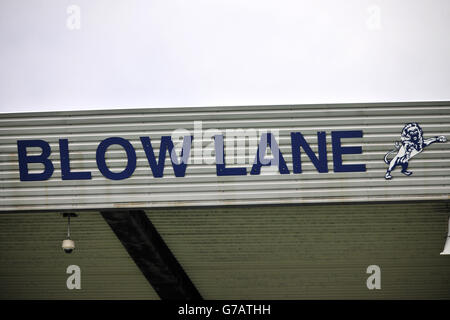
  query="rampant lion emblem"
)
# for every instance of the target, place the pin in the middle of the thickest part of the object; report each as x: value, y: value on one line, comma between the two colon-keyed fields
x: 411, y: 144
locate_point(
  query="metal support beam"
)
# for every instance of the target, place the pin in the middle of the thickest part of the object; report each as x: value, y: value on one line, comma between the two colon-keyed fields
x: 151, y: 254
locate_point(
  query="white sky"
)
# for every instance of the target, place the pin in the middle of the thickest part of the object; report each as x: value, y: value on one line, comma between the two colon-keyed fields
x: 132, y: 53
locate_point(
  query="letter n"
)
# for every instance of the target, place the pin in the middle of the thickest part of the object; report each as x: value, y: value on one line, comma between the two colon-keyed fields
x: 297, y: 141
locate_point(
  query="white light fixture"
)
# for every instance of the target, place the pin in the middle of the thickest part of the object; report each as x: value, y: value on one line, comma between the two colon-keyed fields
x: 447, y: 242
x: 68, y: 245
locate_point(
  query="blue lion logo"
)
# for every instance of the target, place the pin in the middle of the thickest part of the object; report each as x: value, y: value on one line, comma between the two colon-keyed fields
x: 411, y: 144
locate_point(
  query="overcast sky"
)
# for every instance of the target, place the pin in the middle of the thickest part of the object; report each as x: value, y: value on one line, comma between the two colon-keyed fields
x: 97, y: 54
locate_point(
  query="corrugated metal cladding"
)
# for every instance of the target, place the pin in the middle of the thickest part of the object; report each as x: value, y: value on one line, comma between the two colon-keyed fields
x: 311, y: 251
x: 257, y: 252
x: 381, y: 123
x: 33, y: 264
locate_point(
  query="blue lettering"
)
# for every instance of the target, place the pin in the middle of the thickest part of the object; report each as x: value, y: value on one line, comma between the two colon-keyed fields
x: 221, y: 169
x: 321, y: 162
x: 267, y: 139
x: 179, y: 164
x: 101, y: 163
x: 167, y: 144
x: 338, y: 151
x: 66, y: 174
x: 25, y: 159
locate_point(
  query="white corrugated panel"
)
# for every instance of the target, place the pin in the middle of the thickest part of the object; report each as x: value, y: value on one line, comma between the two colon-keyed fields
x: 381, y: 124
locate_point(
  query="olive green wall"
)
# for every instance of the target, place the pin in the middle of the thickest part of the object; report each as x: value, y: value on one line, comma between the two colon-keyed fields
x: 311, y: 252
x: 33, y: 264
x: 271, y: 252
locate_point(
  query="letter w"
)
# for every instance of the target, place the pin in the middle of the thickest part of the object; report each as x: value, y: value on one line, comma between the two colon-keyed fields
x: 167, y: 144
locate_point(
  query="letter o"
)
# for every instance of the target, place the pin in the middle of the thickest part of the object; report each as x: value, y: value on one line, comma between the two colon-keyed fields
x: 101, y: 163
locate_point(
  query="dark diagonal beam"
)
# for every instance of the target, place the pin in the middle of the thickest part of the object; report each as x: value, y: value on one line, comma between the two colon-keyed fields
x: 151, y: 254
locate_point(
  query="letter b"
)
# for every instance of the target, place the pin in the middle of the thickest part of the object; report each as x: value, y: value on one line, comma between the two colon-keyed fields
x: 24, y: 159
